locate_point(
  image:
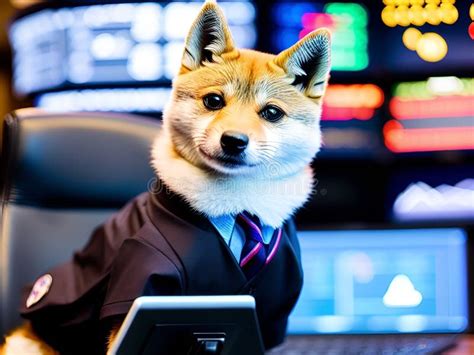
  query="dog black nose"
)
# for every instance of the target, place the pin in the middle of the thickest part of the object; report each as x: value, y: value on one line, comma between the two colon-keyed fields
x: 233, y: 142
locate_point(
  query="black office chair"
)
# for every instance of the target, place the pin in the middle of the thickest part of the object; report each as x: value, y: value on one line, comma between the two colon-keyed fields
x: 62, y: 175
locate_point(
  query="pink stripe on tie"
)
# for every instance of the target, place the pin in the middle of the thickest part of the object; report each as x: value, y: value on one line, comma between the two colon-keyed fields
x: 252, y: 225
x: 250, y: 255
x: 275, y: 247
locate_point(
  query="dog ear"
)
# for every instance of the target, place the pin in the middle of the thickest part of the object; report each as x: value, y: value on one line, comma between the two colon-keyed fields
x: 209, y: 38
x: 308, y: 63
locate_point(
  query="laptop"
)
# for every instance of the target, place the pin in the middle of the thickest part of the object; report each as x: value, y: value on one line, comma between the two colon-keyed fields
x: 398, y: 291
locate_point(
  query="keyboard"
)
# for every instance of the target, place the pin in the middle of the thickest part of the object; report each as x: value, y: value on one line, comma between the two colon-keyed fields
x: 365, y: 344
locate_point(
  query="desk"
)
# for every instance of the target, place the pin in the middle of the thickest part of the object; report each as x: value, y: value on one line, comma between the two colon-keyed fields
x: 465, y: 346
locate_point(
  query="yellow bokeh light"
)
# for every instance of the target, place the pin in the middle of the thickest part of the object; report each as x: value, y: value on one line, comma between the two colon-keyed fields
x: 402, y: 2
x: 471, y: 12
x: 417, y: 15
x: 431, y: 47
x: 401, y: 15
x: 432, y: 14
x: 388, y: 16
x: 410, y: 38
x: 449, y: 14
x: 418, y: 12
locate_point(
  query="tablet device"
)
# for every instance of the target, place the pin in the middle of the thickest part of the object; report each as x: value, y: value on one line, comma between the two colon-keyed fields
x: 225, y: 325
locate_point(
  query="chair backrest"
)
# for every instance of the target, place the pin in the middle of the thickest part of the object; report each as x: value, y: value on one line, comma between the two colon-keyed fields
x: 62, y: 175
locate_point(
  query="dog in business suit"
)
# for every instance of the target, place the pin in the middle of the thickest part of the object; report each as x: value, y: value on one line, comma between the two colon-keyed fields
x: 239, y: 134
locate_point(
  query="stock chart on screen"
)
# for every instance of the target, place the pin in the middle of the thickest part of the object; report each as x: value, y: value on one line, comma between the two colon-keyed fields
x: 382, y: 281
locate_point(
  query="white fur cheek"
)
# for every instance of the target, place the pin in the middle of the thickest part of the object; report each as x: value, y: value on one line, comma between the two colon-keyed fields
x: 304, y: 140
x: 258, y: 153
x: 294, y: 144
x: 274, y: 137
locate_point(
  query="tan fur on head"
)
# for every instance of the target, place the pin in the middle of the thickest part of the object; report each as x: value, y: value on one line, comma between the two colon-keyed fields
x: 274, y: 179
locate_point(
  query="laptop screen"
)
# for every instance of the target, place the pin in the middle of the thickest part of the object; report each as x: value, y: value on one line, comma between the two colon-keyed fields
x: 382, y: 281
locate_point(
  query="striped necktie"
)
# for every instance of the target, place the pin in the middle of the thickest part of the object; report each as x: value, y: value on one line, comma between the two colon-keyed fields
x: 255, y: 253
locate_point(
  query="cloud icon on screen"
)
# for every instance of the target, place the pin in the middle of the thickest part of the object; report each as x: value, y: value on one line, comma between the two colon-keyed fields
x: 402, y: 293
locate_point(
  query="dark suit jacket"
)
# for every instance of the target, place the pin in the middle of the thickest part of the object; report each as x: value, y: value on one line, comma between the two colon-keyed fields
x: 157, y: 245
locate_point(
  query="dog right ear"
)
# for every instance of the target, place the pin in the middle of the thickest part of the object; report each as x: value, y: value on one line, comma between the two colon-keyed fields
x: 308, y: 63
x: 209, y: 38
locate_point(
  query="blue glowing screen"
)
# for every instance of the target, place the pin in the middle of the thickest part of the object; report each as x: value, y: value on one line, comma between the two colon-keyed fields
x: 125, y: 43
x: 382, y: 281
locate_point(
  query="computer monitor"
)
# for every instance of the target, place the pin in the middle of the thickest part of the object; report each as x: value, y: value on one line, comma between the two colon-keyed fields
x: 382, y: 281
x: 225, y: 325
x: 61, y: 46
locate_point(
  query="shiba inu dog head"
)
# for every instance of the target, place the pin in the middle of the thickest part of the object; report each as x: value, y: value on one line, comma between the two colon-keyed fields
x: 239, y: 118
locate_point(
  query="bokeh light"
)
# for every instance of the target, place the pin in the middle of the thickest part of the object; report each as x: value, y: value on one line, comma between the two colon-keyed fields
x: 351, y: 101
x: 346, y: 20
x: 431, y: 47
x: 410, y: 38
x: 440, y: 107
x: 471, y: 26
x: 417, y: 12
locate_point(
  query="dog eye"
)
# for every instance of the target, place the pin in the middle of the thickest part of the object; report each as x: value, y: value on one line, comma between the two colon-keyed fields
x: 272, y: 113
x: 213, y: 101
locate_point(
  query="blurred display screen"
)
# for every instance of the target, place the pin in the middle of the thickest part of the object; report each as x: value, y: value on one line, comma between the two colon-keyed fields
x: 422, y: 202
x: 350, y: 121
x: 432, y: 115
x: 113, y: 43
x: 432, y: 194
x: 140, y: 100
x: 382, y: 281
x: 346, y: 20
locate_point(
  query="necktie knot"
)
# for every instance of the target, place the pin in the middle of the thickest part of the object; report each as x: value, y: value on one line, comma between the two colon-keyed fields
x: 255, y: 254
x: 251, y: 226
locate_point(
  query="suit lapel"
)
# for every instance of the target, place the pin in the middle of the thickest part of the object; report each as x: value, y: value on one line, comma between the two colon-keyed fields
x: 207, y: 261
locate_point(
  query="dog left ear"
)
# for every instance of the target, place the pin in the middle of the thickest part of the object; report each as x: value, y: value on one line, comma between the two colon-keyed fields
x: 308, y: 63
x: 208, y: 40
